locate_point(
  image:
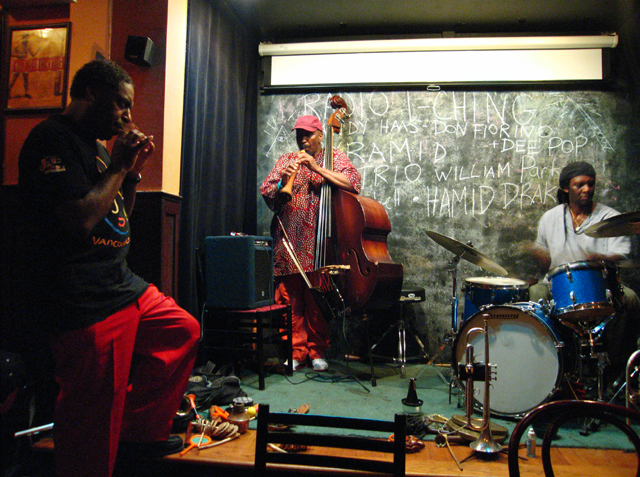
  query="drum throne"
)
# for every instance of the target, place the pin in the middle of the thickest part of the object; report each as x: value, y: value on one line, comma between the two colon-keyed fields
x: 407, y: 297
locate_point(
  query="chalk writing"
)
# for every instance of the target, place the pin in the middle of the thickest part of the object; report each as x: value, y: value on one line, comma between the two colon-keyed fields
x: 475, y: 166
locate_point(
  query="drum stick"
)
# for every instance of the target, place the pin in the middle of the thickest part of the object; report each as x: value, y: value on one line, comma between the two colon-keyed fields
x: 223, y: 441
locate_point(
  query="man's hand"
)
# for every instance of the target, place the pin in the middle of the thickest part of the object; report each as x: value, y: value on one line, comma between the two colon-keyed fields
x: 131, y: 150
x: 142, y: 157
x: 289, y: 171
x: 306, y: 159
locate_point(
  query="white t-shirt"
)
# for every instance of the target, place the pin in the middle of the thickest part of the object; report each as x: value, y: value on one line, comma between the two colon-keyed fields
x: 557, y: 236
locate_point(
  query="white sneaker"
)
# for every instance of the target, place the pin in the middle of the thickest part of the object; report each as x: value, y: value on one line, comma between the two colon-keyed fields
x: 319, y: 364
x: 296, y: 364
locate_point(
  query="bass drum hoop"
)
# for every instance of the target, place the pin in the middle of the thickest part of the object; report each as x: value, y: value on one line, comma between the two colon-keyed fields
x: 527, y: 317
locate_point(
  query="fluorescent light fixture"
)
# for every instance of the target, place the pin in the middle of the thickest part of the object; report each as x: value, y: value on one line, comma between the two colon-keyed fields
x: 438, y: 61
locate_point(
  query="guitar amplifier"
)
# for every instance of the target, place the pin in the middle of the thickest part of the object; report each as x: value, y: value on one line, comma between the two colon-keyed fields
x: 239, y: 271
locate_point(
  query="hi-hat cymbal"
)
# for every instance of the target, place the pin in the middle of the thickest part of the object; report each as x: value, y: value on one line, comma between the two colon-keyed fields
x: 468, y: 253
x: 617, y: 226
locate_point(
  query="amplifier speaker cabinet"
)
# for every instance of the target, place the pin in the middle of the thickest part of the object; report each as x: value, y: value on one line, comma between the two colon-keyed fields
x: 239, y: 271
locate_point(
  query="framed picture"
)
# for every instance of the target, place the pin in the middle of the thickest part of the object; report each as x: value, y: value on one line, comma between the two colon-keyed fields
x: 38, y: 67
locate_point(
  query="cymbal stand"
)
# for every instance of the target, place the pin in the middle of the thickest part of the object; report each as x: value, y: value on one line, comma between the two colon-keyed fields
x: 449, y: 338
x: 454, y: 296
x: 593, y: 337
x: 603, y: 360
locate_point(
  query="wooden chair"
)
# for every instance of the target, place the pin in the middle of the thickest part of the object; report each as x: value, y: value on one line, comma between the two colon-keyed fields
x: 319, y: 458
x: 558, y: 413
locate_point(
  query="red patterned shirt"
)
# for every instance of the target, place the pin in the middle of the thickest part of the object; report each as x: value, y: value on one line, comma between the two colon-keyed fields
x: 300, y: 215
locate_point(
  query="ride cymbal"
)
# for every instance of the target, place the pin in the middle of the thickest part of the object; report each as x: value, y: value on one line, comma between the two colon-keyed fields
x: 618, y: 226
x: 470, y: 254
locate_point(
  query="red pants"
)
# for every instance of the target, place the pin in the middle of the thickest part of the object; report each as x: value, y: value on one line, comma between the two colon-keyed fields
x: 310, y: 334
x: 105, y: 397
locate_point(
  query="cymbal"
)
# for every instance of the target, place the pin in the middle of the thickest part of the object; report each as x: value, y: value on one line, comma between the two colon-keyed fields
x: 628, y: 264
x: 468, y: 253
x: 623, y: 224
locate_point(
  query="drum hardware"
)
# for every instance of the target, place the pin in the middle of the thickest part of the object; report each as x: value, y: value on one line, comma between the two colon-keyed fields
x: 590, y: 338
x: 449, y: 338
x: 585, y: 330
x: 485, y: 442
x: 629, y: 383
x: 592, y: 424
x: 472, y: 255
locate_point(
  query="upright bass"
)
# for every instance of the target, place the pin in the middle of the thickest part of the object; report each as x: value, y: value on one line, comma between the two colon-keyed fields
x: 354, y: 234
x: 351, y: 251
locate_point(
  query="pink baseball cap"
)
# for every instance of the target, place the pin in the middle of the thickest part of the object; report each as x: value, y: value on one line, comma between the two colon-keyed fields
x: 308, y: 123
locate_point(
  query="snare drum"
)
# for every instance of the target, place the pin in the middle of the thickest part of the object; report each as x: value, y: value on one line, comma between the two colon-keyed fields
x: 481, y: 291
x: 530, y: 353
x: 584, y: 291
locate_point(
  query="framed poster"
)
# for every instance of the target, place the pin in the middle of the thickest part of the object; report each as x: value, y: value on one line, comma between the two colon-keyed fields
x: 38, y: 67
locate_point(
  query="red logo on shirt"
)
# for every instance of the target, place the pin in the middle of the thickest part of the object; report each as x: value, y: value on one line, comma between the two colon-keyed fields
x: 51, y: 164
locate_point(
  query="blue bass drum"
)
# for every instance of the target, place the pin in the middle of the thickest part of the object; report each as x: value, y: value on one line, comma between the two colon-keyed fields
x: 584, y: 291
x: 531, y: 354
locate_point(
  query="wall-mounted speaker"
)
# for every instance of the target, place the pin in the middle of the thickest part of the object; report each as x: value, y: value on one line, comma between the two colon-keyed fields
x: 139, y: 50
x: 238, y: 271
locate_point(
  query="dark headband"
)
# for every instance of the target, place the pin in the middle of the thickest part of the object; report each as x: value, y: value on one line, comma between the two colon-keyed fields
x: 575, y: 169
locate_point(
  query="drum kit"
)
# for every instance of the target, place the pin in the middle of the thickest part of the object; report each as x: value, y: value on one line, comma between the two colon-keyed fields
x: 535, y: 346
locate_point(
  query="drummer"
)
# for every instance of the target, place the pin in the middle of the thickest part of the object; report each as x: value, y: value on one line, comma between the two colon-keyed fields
x: 561, y: 240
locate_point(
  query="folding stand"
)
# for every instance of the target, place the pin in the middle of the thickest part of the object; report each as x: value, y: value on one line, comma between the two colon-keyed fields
x: 411, y: 295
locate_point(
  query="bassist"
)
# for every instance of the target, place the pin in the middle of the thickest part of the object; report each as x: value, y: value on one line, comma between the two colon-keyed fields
x: 303, y: 173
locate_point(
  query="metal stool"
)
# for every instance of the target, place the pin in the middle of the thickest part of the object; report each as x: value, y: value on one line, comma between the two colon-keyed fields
x: 407, y: 296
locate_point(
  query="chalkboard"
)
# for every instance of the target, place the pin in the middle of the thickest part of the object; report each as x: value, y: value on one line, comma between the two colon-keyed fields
x: 475, y: 166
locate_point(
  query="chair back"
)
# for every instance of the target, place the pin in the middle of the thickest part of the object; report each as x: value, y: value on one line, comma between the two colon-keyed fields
x: 557, y: 413
x: 315, y: 432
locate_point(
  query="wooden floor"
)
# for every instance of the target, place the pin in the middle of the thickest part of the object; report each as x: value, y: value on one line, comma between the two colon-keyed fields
x: 236, y: 458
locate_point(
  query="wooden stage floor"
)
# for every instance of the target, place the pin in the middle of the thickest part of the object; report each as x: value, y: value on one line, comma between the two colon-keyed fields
x: 236, y: 458
x: 435, y: 461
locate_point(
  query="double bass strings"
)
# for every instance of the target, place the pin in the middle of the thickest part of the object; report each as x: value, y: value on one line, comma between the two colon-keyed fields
x: 324, y: 212
x: 324, y: 227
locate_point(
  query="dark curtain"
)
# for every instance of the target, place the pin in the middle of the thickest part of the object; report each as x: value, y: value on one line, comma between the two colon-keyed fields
x: 218, y: 184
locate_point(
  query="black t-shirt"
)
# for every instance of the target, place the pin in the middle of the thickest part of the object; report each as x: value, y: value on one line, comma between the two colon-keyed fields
x: 70, y: 283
